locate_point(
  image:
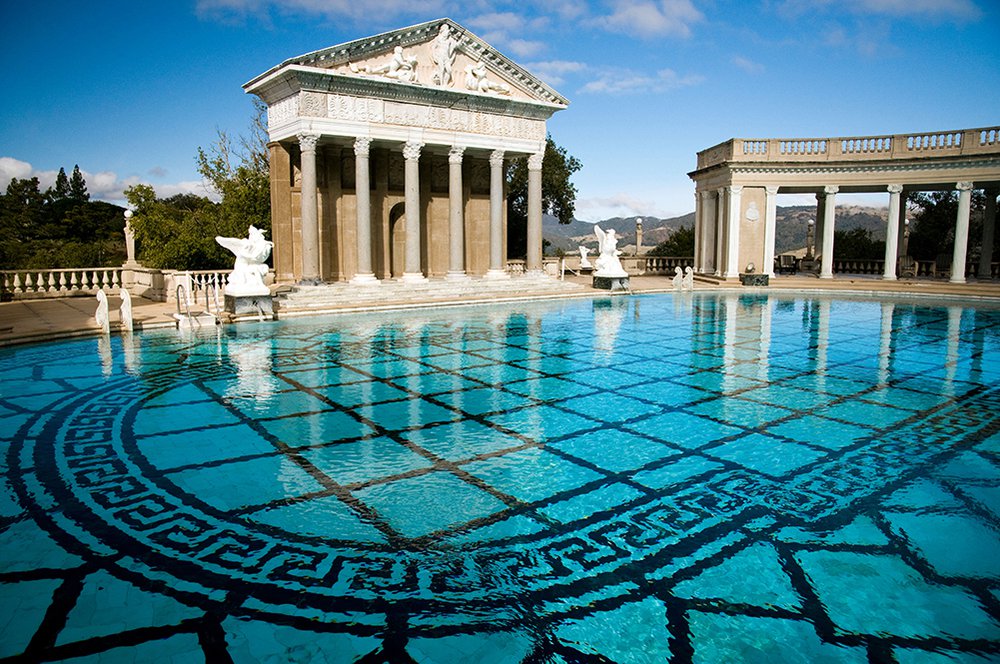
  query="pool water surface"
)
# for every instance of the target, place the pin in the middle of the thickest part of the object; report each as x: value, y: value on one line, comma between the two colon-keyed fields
x: 684, y: 478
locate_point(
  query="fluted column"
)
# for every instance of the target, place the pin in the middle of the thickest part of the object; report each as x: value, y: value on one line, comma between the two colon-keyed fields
x: 770, y: 222
x: 496, y: 270
x: 699, y: 231
x: 533, y: 262
x: 961, y: 233
x: 456, y: 218
x: 411, y: 265
x: 735, y: 207
x: 720, y: 234
x: 310, y: 212
x: 892, y: 233
x: 829, y: 212
x: 364, y: 274
x: 989, y: 226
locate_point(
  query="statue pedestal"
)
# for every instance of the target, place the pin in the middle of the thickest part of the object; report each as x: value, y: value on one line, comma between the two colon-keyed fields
x: 249, y: 304
x: 611, y: 283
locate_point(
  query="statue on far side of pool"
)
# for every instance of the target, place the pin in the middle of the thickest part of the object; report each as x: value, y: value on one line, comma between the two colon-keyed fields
x: 101, y: 315
x: 249, y: 270
x: 607, y: 263
x: 678, y: 280
x: 687, y: 283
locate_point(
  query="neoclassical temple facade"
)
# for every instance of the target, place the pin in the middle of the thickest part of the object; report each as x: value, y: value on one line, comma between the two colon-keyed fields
x: 387, y: 156
x: 737, y: 183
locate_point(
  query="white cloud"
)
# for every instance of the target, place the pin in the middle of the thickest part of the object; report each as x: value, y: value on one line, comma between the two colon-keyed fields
x: 651, y: 18
x: 554, y: 72
x: 509, y: 32
x: 748, y: 65
x: 11, y: 168
x: 617, y: 205
x: 618, y: 81
x: 102, y: 185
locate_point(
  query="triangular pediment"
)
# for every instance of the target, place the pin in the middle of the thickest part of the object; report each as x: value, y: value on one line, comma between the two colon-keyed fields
x: 437, y: 55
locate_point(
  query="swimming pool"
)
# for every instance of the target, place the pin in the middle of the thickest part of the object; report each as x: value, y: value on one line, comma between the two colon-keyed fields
x: 709, y: 478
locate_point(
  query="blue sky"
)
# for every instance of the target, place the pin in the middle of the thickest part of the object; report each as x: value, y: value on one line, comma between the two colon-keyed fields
x: 129, y: 90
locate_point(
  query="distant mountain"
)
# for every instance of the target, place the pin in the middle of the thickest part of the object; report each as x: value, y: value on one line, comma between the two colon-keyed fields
x: 790, y: 227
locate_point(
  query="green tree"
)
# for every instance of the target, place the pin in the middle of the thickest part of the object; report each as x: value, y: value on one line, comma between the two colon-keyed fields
x: 680, y: 243
x: 932, y: 232
x: 858, y: 243
x: 558, y: 194
x: 60, y: 189
x: 177, y: 232
x: 78, y: 186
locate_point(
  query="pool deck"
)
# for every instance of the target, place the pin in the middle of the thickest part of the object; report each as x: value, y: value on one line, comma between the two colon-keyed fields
x: 26, y: 321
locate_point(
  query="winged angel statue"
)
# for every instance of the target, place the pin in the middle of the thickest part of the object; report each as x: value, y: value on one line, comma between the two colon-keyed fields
x: 607, y: 263
x: 249, y: 270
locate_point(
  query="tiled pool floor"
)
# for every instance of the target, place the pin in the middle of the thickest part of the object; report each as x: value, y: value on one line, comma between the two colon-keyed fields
x: 657, y: 478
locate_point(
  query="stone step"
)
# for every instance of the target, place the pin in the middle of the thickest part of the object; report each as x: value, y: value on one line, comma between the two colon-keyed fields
x: 343, y: 294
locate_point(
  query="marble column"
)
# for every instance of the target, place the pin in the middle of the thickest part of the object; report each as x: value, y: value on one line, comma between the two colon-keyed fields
x: 411, y: 202
x: 364, y: 274
x: 533, y: 262
x: 961, y: 233
x: 901, y: 247
x: 734, y: 208
x: 989, y: 227
x: 720, y: 234
x: 496, y: 270
x: 456, y: 216
x: 310, y: 209
x: 892, y: 233
x: 770, y: 222
x: 829, y: 212
x: 699, y: 232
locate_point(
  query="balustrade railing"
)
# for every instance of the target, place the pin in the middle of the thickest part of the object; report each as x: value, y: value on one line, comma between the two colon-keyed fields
x: 667, y: 264
x: 35, y: 284
x: 855, y: 148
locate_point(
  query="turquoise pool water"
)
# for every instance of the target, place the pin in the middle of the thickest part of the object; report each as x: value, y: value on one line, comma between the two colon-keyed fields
x: 636, y: 479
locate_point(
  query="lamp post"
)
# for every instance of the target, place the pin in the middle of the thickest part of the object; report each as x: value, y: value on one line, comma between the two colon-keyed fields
x: 810, y: 238
x: 638, y: 236
x: 129, y: 239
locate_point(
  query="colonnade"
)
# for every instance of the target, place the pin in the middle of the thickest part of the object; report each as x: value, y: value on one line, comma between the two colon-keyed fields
x: 718, y: 222
x: 413, y: 272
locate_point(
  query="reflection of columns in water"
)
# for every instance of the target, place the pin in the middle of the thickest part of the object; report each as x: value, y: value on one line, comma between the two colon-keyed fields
x: 885, y: 342
x: 766, y: 315
x: 729, y: 380
x: 951, y: 355
x: 822, y: 341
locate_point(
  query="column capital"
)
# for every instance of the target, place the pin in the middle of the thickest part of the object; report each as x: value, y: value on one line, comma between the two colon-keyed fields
x: 734, y: 188
x: 496, y: 158
x: 771, y: 190
x: 411, y: 150
x: 535, y: 161
x: 307, y: 141
x: 895, y: 188
x: 831, y: 189
x: 455, y: 154
x: 963, y: 186
x: 362, y: 145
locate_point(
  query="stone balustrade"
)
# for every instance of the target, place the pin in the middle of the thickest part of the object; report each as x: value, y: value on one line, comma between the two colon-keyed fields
x: 37, y: 284
x: 984, y: 140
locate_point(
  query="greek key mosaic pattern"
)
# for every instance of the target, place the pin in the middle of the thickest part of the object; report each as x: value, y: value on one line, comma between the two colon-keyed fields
x: 657, y: 478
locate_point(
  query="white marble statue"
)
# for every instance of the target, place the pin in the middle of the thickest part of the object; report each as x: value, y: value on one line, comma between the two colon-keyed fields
x: 584, y: 261
x: 249, y: 270
x: 475, y: 79
x: 126, y: 309
x: 608, y: 264
x: 399, y: 67
x: 687, y: 283
x: 101, y: 316
x: 443, y: 53
x: 678, y: 280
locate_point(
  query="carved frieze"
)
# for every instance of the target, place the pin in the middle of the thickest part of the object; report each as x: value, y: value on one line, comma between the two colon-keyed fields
x: 312, y: 104
x: 359, y: 109
x: 283, y: 111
